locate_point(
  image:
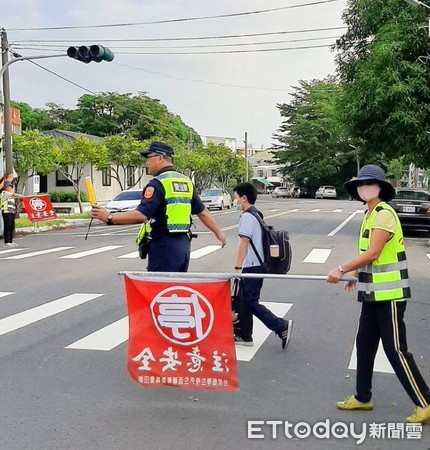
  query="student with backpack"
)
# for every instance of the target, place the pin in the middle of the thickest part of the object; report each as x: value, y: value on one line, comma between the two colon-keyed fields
x: 250, y: 259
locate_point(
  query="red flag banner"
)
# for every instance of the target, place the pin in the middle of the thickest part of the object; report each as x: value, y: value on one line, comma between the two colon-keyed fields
x: 39, y: 208
x: 180, y: 333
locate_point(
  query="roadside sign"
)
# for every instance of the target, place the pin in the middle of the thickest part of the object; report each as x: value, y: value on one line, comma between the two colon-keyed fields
x: 36, y: 184
x: 39, y: 208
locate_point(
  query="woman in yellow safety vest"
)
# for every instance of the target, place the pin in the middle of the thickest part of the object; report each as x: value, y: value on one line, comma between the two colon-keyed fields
x: 383, y: 287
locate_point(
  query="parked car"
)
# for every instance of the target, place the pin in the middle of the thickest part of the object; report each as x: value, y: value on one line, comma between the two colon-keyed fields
x: 304, y: 193
x: 216, y: 198
x: 413, y: 208
x: 125, y: 201
x: 326, y: 192
x: 295, y: 192
x: 281, y: 192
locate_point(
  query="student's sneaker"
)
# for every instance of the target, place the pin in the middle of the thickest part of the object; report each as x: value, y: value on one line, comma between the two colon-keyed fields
x: 245, y: 342
x: 420, y: 415
x: 9, y: 244
x: 285, y: 333
x: 351, y: 403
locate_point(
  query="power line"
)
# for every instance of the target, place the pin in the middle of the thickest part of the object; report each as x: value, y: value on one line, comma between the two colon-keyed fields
x: 240, y: 44
x: 226, y: 52
x: 187, y: 19
x: 228, y: 36
x: 196, y: 80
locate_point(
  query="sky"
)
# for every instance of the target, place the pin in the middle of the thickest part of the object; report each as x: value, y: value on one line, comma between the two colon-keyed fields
x: 216, y: 94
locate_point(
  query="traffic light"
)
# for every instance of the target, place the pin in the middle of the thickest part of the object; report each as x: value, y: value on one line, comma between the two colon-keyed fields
x: 87, y: 54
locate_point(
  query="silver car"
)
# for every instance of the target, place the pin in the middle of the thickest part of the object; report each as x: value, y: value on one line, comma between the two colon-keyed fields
x: 216, y: 198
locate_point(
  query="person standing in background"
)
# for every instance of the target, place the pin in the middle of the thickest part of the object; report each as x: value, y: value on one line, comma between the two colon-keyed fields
x: 8, y: 208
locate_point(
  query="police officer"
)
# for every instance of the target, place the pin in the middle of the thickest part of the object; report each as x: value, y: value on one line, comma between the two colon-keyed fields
x: 167, y: 203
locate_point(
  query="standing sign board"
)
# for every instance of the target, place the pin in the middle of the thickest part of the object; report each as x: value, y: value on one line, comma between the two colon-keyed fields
x: 36, y: 184
x: 39, y: 208
x: 181, y: 333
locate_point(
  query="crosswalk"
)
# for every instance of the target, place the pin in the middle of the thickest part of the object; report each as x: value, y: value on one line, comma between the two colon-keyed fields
x: 114, y: 334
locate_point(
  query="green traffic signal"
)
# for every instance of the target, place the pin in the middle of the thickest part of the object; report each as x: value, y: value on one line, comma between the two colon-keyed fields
x: 86, y: 54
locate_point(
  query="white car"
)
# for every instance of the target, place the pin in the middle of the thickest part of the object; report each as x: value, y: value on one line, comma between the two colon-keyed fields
x: 281, y: 192
x: 216, y: 198
x: 125, y: 201
x: 326, y: 192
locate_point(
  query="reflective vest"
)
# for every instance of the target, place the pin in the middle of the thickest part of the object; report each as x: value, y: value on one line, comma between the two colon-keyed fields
x: 7, y: 202
x: 385, y: 279
x: 178, y: 194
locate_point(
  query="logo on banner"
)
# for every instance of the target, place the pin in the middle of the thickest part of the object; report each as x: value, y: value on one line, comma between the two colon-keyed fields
x: 38, y: 204
x: 182, y: 315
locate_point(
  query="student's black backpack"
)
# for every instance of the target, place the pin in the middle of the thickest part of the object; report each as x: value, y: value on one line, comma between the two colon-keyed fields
x: 273, y: 264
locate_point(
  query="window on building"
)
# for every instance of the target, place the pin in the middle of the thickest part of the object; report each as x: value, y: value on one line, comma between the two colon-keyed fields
x: 131, y: 176
x: 274, y: 172
x: 61, y: 180
x: 107, y: 177
x: 261, y: 173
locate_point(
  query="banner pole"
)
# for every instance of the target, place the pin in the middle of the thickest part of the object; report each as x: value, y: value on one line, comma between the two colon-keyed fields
x: 226, y: 276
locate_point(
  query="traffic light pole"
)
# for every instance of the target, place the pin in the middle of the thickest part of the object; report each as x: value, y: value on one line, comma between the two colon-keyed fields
x: 6, y: 105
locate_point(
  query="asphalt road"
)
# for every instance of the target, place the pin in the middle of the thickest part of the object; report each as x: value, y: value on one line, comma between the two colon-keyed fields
x: 53, y: 397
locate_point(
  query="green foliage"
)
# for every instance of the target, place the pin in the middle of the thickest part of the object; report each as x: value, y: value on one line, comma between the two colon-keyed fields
x: 313, y: 146
x: 215, y: 165
x: 386, y: 98
x: 67, y: 197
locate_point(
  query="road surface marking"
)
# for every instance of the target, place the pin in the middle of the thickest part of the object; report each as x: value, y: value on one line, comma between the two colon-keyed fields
x: 381, y: 361
x: 41, y: 252
x: 11, y: 250
x: 428, y: 255
x: 110, y: 336
x: 130, y: 255
x: 94, y: 251
x: 261, y: 333
x: 315, y: 210
x: 104, y: 339
x: 338, y: 228
x: 337, y: 210
x: 32, y: 315
x: 318, y: 256
x: 5, y: 294
x: 200, y: 252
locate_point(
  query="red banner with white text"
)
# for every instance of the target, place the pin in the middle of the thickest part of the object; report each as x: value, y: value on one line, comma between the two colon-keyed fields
x: 39, y: 208
x: 180, y: 333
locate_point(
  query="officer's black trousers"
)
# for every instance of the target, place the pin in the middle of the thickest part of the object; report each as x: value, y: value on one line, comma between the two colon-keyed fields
x: 169, y: 253
x: 384, y: 321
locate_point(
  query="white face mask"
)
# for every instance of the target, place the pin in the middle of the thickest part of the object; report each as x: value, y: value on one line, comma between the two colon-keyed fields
x: 368, y: 192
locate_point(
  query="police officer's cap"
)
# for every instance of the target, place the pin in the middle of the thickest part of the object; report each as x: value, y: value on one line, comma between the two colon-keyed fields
x: 158, y: 147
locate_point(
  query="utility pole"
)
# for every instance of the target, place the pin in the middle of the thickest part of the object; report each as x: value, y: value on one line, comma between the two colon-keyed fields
x: 246, y: 155
x: 7, y: 138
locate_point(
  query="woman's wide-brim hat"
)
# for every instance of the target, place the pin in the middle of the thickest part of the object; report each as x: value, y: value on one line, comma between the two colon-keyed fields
x: 371, y: 172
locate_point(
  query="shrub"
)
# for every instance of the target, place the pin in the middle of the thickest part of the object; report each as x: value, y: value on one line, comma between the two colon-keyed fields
x: 67, y: 197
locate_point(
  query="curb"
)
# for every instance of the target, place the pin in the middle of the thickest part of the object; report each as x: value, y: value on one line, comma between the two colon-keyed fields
x: 68, y: 223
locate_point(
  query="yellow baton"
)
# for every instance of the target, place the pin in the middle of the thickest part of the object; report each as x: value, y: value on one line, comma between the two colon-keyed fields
x: 90, y: 191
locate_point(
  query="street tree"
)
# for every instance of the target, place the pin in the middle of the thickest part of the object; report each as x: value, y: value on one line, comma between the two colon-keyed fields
x: 386, y: 93
x: 123, y: 159
x: 74, y: 156
x: 33, y: 153
x: 312, y: 146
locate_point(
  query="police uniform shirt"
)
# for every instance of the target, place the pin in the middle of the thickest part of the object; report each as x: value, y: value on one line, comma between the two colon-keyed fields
x: 153, y: 205
x: 250, y: 227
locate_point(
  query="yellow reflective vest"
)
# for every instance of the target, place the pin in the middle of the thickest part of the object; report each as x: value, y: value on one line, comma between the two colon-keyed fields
x: 178, y: 195
x: 385, y: 279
